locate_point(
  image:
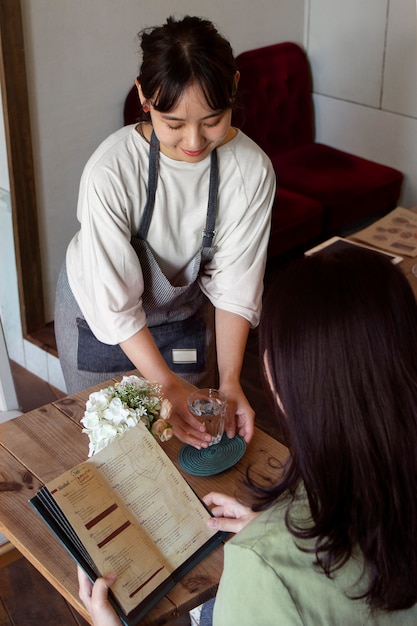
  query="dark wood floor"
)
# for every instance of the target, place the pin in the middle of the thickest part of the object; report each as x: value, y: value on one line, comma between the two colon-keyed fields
x: 26, y: 598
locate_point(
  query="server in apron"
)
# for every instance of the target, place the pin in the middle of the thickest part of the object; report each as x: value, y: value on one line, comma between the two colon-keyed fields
x: 166, y: 272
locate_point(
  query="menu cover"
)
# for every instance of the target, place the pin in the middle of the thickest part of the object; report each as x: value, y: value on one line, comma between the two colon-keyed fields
x: 338, y: 243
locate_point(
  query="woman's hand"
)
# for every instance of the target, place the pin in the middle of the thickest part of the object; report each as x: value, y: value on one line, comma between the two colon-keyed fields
x: 185, y: 426
x: 229, y: 515
x: 240, y: 417
x: 95, y: 599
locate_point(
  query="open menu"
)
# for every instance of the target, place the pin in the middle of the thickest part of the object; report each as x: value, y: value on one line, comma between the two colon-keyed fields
x: 396, y: 232
x: 128, y: 510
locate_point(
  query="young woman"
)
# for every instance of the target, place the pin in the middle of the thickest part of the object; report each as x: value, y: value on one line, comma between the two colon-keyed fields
x: 175, y: 218
x: 333, y: 540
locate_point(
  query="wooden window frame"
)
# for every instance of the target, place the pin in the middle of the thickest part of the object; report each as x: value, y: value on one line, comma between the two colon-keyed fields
x: 21, y: 171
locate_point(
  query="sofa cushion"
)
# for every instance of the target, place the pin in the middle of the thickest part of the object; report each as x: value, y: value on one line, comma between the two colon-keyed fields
x: 350, y: 188
x: 296, y: 221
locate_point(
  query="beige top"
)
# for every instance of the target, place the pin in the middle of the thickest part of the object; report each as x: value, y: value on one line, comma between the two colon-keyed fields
x: 103, y: 269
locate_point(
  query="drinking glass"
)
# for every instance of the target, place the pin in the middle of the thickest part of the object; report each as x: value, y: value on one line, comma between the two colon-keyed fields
x: 209, y: 407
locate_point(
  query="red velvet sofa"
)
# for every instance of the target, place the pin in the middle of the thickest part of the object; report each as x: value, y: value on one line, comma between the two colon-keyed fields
x: 321, y: 191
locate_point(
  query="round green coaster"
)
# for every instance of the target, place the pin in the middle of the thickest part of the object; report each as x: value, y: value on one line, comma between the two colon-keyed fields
x: 214, y: 459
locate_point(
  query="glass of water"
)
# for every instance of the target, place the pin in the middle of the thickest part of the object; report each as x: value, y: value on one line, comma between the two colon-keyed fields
x: 209, y: 407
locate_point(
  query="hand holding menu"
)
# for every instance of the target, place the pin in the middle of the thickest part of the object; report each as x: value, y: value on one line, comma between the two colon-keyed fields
x: 128, y: 510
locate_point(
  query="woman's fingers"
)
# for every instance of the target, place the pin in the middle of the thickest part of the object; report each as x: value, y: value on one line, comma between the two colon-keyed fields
x: 227, y: 524
x: 187, y: 434
x: 85, y: 586
x: 230, y: 419
x: 217, y: 498
x: 229, y: 514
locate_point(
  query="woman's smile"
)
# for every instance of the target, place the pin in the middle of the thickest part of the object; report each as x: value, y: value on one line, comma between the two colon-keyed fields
x: 193, y: 153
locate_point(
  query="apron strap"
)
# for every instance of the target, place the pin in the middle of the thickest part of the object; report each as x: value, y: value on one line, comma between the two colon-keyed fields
x: 208, y: 232
x: 152, y: 185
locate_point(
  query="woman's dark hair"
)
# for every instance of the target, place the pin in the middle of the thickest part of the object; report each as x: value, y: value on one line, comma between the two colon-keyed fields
x: 183, y: 52
x: 340, y: 336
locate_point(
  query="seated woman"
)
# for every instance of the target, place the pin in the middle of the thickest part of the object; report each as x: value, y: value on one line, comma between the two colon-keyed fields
x: 333, y: 540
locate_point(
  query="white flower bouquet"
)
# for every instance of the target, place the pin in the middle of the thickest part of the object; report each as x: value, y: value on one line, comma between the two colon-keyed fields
x: 115, y: 409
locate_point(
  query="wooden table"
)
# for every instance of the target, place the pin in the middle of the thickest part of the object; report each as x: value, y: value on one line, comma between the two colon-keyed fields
x: 40, y: 445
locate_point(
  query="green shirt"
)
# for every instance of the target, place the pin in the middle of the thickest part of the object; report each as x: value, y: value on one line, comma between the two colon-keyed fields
x: 268, y: 581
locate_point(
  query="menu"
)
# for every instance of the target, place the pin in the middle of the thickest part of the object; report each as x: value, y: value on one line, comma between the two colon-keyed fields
x: 128, y: 510
x: 396, y: 232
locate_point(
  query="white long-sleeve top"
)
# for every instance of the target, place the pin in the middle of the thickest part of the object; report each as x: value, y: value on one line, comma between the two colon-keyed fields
x: 103, y: 269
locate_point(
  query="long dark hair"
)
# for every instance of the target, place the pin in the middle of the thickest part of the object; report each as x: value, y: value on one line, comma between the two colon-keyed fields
x: 340, y: 336
x: 184, y: 52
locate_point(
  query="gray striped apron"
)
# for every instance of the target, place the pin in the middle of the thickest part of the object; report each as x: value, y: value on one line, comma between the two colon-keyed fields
x: 174, y: 313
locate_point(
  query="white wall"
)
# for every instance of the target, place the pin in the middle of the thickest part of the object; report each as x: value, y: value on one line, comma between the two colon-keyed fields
x: 364, y: 64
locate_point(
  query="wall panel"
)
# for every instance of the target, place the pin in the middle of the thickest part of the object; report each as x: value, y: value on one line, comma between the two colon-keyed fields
x: 346, y: 47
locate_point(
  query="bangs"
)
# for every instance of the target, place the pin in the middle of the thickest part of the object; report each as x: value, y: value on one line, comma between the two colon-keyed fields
x: 218, y: 94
